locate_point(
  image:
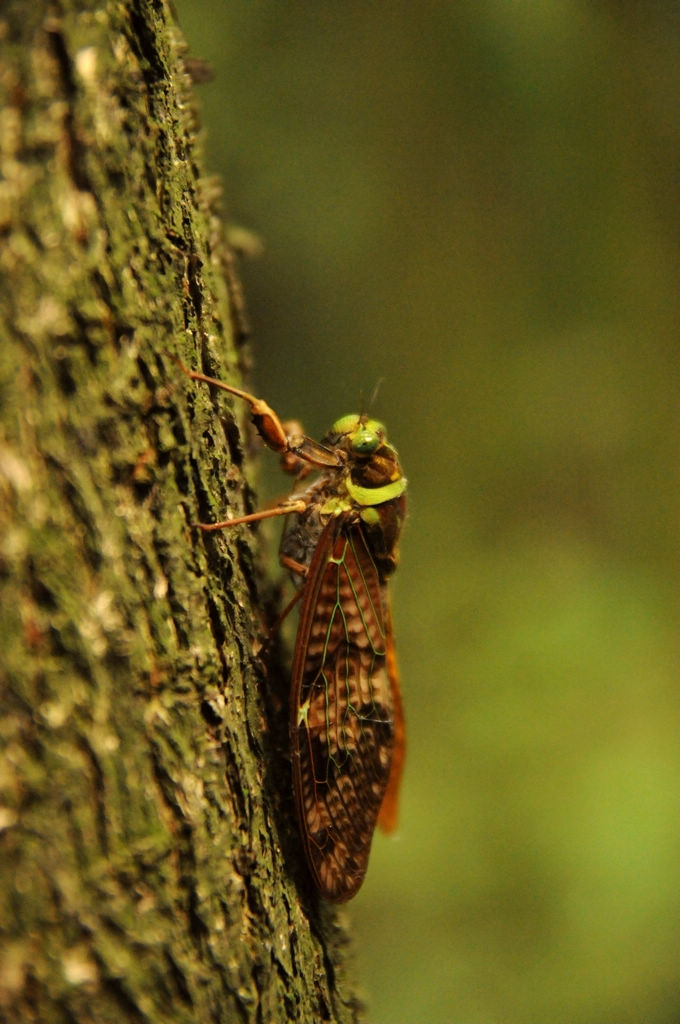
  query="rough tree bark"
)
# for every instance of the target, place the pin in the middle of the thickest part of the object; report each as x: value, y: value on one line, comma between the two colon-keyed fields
x: 149, y: 862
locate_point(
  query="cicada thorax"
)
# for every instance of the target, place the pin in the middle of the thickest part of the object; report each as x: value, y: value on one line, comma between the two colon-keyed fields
x: 381, y: 530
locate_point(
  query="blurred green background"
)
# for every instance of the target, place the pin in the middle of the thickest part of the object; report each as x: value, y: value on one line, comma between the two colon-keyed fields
x: 471, y: 202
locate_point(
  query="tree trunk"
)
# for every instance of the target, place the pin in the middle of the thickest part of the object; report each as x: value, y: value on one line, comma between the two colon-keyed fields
x: 150, y: 863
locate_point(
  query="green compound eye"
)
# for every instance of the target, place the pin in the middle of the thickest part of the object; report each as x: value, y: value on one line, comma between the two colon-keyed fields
x: 365, y: 441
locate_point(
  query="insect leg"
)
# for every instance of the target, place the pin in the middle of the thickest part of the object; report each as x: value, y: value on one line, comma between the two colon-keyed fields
x: 270, y: 428
x: 298, y: 505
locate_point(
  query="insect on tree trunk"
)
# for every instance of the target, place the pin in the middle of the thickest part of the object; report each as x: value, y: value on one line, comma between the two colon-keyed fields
x: 150, y: 866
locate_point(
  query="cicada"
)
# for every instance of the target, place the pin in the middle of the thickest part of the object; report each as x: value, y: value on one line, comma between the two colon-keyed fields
x: 346, y: 719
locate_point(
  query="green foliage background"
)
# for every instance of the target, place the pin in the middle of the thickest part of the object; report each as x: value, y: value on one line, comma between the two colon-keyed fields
x: 470, y: 201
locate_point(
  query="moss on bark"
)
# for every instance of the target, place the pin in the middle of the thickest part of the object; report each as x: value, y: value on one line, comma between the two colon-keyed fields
x: 148, y: 853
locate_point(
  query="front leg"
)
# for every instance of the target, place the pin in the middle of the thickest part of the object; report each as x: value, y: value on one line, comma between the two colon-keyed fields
x: 295, y: 447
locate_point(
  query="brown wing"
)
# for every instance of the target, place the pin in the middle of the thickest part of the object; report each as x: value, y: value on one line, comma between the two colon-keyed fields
x: 389, y: 811
x: 343, y: 711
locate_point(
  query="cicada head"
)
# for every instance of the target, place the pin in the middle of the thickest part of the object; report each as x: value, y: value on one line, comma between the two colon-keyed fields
x: 373, y: 462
